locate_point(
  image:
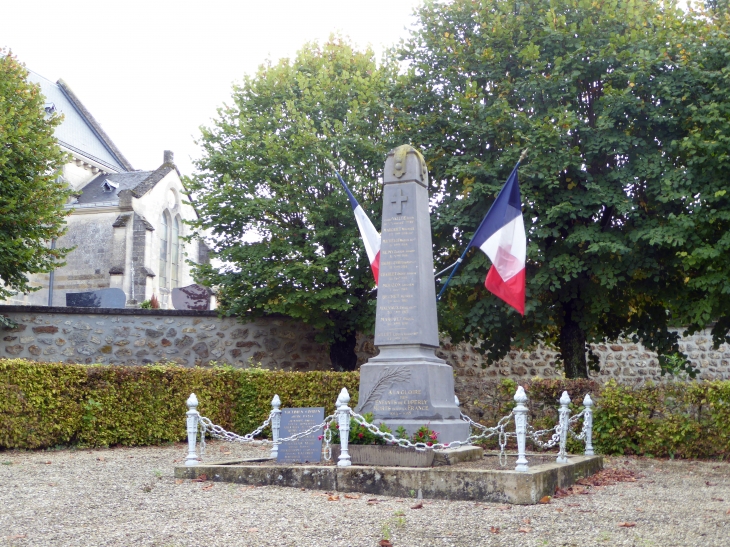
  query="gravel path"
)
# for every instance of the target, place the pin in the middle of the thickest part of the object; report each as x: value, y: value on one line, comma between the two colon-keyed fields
x: 129, y: 497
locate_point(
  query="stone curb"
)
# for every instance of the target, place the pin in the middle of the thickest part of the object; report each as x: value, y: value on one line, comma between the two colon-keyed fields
x: 437, y: 483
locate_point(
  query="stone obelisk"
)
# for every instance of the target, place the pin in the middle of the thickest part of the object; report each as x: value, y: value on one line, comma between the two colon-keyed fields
x: 406, y: 384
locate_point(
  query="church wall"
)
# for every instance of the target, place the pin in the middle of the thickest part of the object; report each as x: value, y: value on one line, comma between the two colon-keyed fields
x: 87, y: 266
x: 151, y: 207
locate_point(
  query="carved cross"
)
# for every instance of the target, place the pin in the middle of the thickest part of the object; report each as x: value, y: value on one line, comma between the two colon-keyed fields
x: 399, y: 200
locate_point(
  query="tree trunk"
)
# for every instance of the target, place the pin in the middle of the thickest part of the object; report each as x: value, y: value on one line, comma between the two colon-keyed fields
x: 573, y: 348
x: 342, y: 352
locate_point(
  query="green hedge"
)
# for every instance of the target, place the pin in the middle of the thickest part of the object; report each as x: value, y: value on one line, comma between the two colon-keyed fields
x: 48, y: 404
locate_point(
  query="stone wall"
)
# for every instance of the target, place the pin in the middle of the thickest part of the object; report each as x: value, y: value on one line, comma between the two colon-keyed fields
x: 623, y: 360
x: 138, y: 337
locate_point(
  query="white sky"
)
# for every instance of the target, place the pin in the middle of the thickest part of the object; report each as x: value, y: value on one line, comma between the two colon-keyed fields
x: 153, y: 71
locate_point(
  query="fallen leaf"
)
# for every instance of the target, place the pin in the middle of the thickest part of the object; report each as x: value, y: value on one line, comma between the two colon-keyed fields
x: 717, y: 499
x: 201, y: 478
x: 333, y: 498
x: 51, y: 484
x: 708, y: 483
x: 545, y: 499
x: 419, y: 505
x: 728, y: 512
x: 559, y: 509
x: 639, y: 510
x: 525, y: 529
x: 252, y: 530
x: 627, y: 524
x: 47, y: 462
x: 574, y: 505
x: 385, y: 543
x: 173, y: 461
x: 350, y: 496
x: 100, y: 459
x: 494, y: 529
x: 526, y: 520
x: 560, y: 493
x: 19, y: 536
x: 208, y: 487
x: 179, y: 481
x: 504, y: 507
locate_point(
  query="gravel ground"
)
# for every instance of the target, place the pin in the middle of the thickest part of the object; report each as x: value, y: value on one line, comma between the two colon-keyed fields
x: 128, y: 496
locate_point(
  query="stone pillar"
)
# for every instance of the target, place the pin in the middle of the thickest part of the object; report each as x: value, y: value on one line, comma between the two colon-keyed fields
x: 406, y: 384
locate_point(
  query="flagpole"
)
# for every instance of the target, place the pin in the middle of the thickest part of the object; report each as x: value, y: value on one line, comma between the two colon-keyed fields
x: 461, y: 258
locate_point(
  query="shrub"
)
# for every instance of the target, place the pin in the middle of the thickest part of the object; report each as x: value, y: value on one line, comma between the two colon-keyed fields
x: 48, y: 404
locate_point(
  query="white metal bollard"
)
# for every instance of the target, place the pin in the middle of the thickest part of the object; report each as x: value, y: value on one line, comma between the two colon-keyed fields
x: 193, y: 418
x: 564, y: 414
x: 588, y: 424
x: 521, y: 428
x: 343, y: 417
x: 275, y: 425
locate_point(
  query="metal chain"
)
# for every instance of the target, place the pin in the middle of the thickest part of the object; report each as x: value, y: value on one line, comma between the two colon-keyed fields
x: 219, y: 433
x: 535, y: 436
x: 309, y: 431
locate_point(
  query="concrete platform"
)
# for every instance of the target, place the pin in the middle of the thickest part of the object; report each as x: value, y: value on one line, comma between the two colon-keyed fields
x: 447, y: 482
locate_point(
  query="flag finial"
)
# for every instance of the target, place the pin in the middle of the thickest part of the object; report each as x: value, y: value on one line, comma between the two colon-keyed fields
x: 522, y: 156
x: 332, y: 165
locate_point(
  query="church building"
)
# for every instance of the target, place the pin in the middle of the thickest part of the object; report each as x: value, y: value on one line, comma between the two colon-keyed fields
x: 126, y: 226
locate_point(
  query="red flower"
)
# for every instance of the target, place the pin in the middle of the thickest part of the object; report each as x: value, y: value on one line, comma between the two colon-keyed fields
x: 360, y: 435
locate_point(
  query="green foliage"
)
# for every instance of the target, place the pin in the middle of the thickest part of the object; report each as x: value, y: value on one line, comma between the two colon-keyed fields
x: 360, y: 434
x: 280, y: 221
x: 689, y: 420
x: 31, y: 195
x: 49, y: 404
x: 146, y: 305
x: 622, y: 105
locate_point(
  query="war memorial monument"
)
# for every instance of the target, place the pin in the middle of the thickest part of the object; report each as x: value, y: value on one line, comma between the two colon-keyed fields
x: 406, y: 384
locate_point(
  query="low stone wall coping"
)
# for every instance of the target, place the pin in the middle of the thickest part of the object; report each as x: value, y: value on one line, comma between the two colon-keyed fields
x: 105, y: 311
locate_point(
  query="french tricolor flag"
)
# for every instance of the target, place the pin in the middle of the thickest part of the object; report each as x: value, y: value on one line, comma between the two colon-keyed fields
x: 501, y: 236
x: 370, y: 235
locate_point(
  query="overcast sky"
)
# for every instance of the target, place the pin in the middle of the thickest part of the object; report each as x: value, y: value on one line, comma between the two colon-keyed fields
x: 153, y: 71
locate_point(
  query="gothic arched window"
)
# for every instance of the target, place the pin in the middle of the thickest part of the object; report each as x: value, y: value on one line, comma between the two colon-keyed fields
x: 164, y: 242
x: 175, y: 253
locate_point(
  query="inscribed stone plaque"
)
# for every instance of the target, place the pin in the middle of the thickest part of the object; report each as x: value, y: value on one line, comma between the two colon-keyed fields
x: 192, y: 297
x: 297, y: 420
x: 102, y: 298
x: 406, y: 309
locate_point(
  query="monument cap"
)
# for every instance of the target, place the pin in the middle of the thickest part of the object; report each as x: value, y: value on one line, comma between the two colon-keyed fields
x: 405, y: 164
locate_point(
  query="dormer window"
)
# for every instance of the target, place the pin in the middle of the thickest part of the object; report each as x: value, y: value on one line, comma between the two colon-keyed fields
x: 109, y: 186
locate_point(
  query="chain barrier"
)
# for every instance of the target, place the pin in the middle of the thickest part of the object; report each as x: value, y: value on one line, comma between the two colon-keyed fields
x: 219, y: 433
x: 216, y: 431
x: 206, y: 426
x: 573, y: 420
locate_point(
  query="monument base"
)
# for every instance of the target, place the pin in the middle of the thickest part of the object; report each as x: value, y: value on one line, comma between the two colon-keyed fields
x: 409, y: 386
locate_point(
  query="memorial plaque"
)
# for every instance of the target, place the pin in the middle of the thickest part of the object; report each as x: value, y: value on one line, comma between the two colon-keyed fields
x: 406, y: 384
x: 102, y: 298
x: 406, y: 309
x: 307, y: 449
x: 192, y: 297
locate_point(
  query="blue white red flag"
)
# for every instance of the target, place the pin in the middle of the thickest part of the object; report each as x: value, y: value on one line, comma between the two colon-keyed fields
x: 370, y: 235
x: 501, y: 236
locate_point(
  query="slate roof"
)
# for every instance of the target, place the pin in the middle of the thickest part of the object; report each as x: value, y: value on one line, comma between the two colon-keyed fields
x: 79, y: 131
x: 94, y: 192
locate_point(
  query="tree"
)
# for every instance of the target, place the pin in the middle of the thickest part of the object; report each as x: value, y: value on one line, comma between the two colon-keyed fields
x: 279, y: 221
x: 581, y: 84
x: 31, y: 195
x: 699, y: 103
